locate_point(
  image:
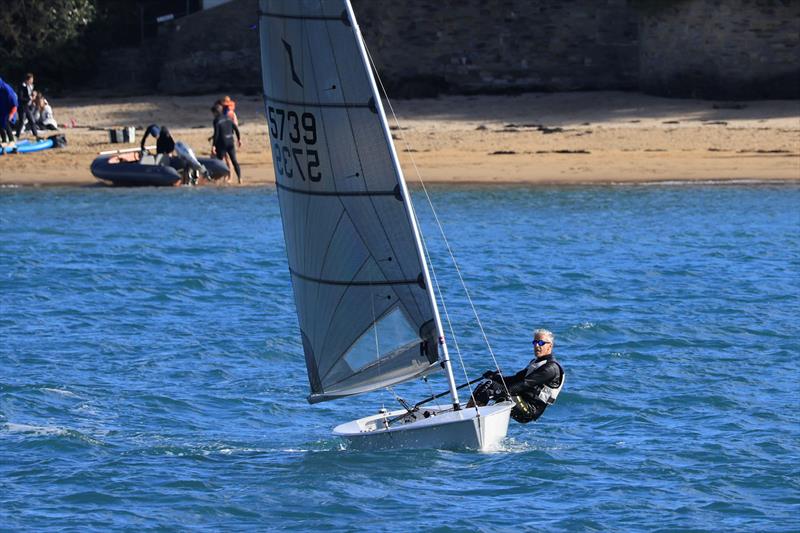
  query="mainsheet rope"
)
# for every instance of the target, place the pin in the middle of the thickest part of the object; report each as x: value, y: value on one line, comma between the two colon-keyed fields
x: 444, y: 238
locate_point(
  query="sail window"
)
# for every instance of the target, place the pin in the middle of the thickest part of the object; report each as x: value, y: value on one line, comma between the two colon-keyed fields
x: 395, y: 334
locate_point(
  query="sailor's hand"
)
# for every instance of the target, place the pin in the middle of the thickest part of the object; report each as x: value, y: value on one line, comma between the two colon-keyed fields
x: 239, y: 143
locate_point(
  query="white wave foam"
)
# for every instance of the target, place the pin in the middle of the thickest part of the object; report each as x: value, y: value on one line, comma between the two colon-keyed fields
x: 62, y: 392
x: 36, y: 430
x: 511, y: 445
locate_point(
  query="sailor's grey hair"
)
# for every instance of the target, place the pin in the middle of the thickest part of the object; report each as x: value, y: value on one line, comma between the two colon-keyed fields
x: 547, y: 334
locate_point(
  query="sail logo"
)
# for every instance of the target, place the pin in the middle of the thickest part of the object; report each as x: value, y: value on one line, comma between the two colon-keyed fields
x: 295, y: 77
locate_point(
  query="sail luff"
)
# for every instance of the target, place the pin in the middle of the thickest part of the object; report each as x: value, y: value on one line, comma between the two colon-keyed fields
x: 412, y: 219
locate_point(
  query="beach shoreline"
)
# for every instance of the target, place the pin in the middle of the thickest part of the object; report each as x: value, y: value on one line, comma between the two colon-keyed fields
x: 534, y: 138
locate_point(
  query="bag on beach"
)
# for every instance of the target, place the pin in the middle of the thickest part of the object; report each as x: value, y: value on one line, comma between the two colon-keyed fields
x: 59, y: 141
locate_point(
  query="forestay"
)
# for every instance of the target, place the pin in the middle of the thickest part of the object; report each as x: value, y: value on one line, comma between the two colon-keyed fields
x: 360, y: 283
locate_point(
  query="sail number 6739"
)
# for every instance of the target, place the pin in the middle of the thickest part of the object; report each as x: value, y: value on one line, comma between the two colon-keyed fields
x: 300, y: 130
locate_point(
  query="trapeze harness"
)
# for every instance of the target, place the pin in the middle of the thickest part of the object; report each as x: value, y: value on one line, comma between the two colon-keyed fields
x: 528, y: 407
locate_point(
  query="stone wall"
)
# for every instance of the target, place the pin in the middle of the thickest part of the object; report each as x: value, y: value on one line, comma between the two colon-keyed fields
x: 502, y: 45
x: 720, y: 48
x: 211, y: 51
x: 704, y: 48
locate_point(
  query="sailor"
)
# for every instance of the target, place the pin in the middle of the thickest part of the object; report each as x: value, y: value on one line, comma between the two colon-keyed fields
x: 222, y: 139
x: 532, y: 389
x: 165, y: 144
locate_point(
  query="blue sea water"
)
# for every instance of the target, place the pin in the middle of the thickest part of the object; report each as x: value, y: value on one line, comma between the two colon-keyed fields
x: 151, y: 374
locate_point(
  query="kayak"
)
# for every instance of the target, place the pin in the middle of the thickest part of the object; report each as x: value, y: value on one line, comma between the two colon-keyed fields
x: 35, y: 146
x: 26, y: 146
x: 132, y: 169
x: 11, y: 150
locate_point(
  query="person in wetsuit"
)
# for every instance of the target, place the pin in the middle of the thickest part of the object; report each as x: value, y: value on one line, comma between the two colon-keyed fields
x: 25, y: 107
x: 224, y: 130
x: 532, y: 389
x: 165, y: 144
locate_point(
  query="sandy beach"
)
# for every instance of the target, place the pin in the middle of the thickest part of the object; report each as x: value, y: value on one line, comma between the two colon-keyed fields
x: 559, y: 138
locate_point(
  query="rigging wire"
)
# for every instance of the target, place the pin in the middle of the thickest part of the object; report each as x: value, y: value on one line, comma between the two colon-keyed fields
x: 430, y: 390
x: 422, y: 240
x: 441, y: 231
x: 375, y: 329
x: 378, y: 357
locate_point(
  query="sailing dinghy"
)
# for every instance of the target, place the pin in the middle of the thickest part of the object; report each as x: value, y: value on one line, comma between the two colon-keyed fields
x: 366, y: 308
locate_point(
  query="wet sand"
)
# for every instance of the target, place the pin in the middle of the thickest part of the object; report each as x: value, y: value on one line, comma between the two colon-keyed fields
x: 587, y: 137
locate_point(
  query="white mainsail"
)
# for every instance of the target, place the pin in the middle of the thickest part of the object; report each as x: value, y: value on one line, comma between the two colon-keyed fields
x: 364, y: 303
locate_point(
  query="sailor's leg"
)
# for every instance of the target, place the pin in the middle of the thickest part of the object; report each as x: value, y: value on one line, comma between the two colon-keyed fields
x: 481, y: 395
x: 235, y: 163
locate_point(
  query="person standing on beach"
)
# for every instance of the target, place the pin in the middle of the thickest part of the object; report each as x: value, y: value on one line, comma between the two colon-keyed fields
x: 26, y: 107
x: 532, y: 389
x: 222, y: 139
x: 229, y: 108
x: 8, y: 107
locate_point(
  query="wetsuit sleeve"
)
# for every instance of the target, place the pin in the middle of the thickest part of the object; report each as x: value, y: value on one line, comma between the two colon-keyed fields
x: 236, y: 131
x: 215, y: 135
x: 520, y: 383
x: 147, y: 133
x: 516, y: 379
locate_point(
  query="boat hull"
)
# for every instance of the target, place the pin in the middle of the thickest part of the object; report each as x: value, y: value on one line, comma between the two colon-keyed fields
x: 125, y: 170
x: 481, y: 428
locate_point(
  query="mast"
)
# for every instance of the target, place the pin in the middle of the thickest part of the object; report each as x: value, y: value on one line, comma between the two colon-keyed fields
x: 448, y: 367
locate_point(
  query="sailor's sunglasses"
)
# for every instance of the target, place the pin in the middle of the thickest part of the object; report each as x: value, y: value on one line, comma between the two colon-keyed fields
x: 540, y: 343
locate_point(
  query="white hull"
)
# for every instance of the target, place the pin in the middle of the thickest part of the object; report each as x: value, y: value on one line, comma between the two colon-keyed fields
x: 480, y: 429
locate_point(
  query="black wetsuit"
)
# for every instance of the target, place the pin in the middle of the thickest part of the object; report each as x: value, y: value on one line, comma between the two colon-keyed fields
x: 24, y: 110
x: 524, y: 387
x: 224, y: 130
x: 165, y: 144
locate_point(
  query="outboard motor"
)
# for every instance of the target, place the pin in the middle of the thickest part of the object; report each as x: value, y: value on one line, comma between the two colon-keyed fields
x: 187, y: 155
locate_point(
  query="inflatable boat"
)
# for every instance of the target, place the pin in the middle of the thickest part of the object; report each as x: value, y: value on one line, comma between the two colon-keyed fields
x: 132, y: 169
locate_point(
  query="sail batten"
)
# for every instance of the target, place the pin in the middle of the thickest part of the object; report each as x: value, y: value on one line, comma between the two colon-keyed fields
x: 394, y: 193
x: 340, y: 18
x: 360, y: 284
x: 354, y: 283
x: 370, y: 105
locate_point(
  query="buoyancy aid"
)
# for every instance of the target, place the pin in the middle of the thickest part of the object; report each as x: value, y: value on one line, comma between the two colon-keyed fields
x: 548, y: 392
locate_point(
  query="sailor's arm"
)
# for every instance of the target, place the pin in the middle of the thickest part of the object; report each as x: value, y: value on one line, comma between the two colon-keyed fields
x: 543, y: 375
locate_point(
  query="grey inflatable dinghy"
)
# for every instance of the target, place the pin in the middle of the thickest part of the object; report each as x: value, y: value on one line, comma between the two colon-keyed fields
x: 133, y: 169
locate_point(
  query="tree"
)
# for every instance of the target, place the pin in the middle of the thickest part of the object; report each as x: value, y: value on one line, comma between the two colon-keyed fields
x: 33, y: 32
x: 28, y: 26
